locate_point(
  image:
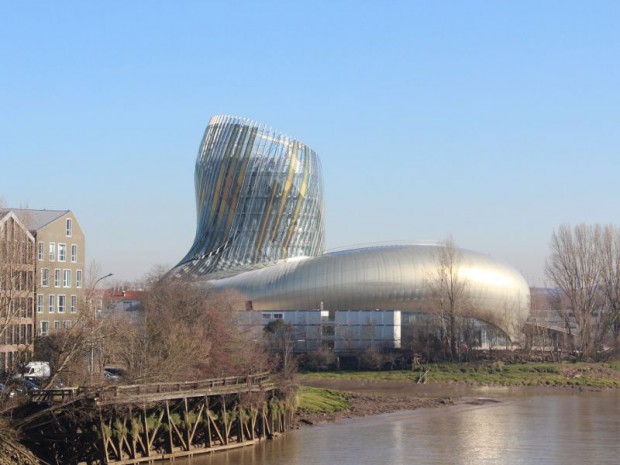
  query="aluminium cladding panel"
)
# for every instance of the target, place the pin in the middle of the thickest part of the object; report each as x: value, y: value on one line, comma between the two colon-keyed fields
x: 306, y: 325
x: 364, y: 317
x: 363, y: 329
x: 304, y: 317
x: 259, y: 199
x: 386, y: 277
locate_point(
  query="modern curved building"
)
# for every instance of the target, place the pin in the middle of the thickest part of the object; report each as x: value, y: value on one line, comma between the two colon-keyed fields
x: 259, y: 199
x: 260, y: 231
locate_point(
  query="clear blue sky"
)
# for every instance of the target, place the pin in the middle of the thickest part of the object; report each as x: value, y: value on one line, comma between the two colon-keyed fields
x: 492, y: 121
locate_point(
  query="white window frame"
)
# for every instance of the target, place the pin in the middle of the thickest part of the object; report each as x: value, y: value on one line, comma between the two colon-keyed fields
x: 78, y: 279
x: 52, y: 252
x: 69, y: 227
x: 41, y: 251
x: 67, y: 324
x: 45, y: 324
x: 62, y: 303
x: 62, y: 252
x: 56, y: 326
x: 51, y: 306
x: 66, y: 278
x: 40, y: 303
x: 73, y: 253
x: 74, y: 304
x: 56, y: 277
x: 45, y: 277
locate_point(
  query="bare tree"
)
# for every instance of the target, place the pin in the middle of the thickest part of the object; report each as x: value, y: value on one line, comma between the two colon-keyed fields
x: 76, y: 352
x: 68, y: 352
x: 16, y: 290
x: 449, y: 295
x: 183, y: 332
x: 280, y: 338
x: 575, y: 267
x: 609, y: 316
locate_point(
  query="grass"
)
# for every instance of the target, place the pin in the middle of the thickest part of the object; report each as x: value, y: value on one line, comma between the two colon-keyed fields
x: 316, y: 400
x: 594, y: 375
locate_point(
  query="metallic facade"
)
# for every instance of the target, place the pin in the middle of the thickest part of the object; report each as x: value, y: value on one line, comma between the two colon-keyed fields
x: 260, y: 231
x: 259, y: 199
x: 387, y: 277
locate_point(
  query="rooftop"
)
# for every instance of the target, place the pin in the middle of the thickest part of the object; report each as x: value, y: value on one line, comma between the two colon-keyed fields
x: 36, y: 219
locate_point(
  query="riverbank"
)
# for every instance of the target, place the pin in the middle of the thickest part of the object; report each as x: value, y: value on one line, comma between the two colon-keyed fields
x: 328, y: 405
x: 332, y: 396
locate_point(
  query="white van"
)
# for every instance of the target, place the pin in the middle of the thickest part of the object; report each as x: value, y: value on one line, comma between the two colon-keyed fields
x: 38, y: 370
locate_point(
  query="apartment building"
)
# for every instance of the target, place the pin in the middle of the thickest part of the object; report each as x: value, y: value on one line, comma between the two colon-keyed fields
x: 17, y: 291
x: 59, y: 261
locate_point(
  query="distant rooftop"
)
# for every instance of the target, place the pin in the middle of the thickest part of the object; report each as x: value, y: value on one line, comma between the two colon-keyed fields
x: 36, y: 219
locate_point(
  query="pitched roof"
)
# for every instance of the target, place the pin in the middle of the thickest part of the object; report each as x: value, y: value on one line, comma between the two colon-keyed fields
x: 36, y: 219
x: 6, y: 214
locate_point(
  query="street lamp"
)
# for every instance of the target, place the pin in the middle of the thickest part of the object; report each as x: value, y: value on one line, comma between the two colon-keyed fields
x: 94, y: 288
x: 94, y: 307
x: 103, y: 277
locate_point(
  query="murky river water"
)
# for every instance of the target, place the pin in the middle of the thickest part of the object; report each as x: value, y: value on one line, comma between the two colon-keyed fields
x: 506, y: 428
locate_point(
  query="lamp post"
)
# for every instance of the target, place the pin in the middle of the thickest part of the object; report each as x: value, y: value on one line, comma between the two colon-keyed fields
x: 94, y: 289
x: 103, y: 277
x: 94, y: 307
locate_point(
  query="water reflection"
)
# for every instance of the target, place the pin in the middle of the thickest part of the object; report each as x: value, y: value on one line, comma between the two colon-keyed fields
x: 549, y: 429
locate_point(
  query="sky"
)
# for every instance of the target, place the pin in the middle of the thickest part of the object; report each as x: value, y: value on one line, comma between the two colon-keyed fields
x: 494, y: 122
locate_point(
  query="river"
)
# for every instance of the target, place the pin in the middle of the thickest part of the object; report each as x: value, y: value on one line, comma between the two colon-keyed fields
x: 492, y: 427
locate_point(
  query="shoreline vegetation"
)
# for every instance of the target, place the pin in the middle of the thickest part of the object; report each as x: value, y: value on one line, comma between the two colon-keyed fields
x: 320, y: 405
x: 332, y: 396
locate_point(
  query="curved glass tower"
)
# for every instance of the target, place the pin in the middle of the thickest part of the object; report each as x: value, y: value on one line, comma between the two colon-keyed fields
x: 259, y: 199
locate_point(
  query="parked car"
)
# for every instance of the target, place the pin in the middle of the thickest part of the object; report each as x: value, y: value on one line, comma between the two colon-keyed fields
x: 6, y: 391
x: 26, y: 385
x: 113, y: 373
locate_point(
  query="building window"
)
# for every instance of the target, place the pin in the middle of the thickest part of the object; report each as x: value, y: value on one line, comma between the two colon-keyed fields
x: 66, y: 278
x: 278, y: 316
x: 69, y: 227
x: 52, y: 251
x: 67, y: 324
x: 41, y: 251
x: 45, y: 277
x: 57, y: 277
x: 62, y: 302
x: 56, y: 326
x: 52, y: 303
x: 62, y: 252
x: 74, y: 304
x: 44, y: 328
x: 73, y: 253
x: 39, y: 303
x: 78, y: 279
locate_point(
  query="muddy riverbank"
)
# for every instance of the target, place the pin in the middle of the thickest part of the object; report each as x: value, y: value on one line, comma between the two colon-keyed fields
x: 374, y: 397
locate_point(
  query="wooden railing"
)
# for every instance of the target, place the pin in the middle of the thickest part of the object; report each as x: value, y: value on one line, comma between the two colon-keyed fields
x: 216, y: 385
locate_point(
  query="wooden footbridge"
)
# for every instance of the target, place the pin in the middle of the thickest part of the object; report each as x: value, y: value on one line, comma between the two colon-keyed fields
x: 145, y: 423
